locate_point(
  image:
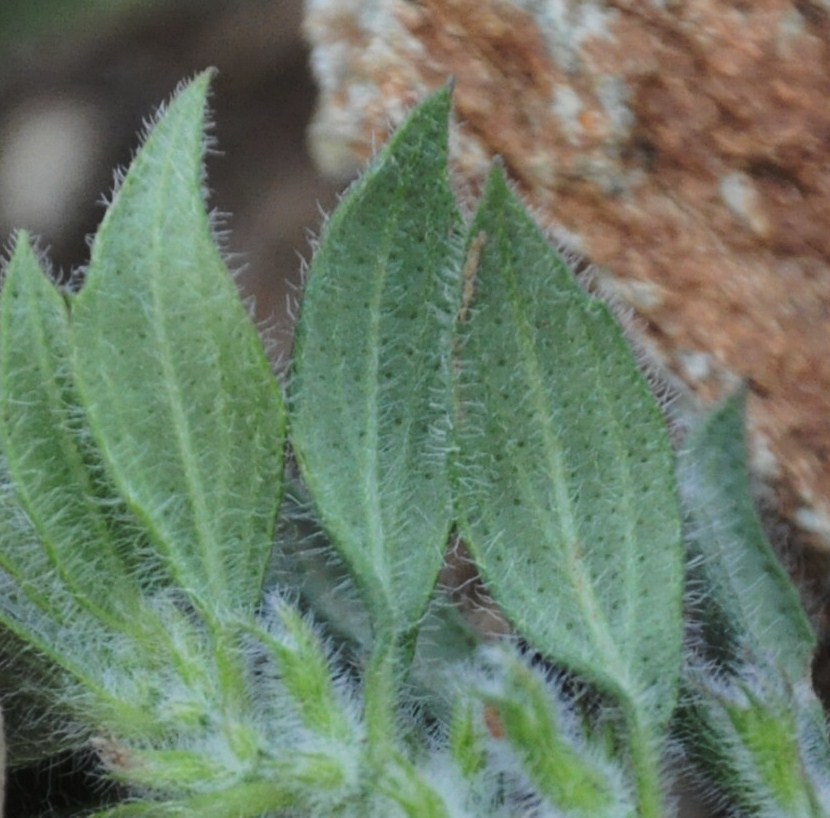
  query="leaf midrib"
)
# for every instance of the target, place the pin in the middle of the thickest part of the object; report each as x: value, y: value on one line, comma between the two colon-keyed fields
x: 372, y: 481
x: 606, y: 651
x: 210, y: 552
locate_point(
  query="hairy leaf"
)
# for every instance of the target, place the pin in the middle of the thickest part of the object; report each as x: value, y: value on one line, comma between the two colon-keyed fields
x: 756, y: 738
x: 573, y: 776
x: 755, y: 727
x: 48, y: 450
x: 370, y: 393
x: 757, y: 605
x: 180, y: 396
x: 566, y: 491
x: 305, y: 671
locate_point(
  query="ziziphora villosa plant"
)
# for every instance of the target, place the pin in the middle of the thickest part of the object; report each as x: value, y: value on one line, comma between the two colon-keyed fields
x: 445, y: 376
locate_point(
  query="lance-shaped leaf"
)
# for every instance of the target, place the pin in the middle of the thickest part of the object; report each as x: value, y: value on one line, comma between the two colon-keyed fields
x: 35, y: 604
x: 305, y: 672
x: 248, y: 799
x: 573, y: 776
x: 370, y: 393
x: 180, y: 397
x: 48, y: 450
x: 467, y: 740
x: 758, y: 744
x: 756, y: 605
x: 758, y: 730
x: 38, y: 610
x: 566, y: 490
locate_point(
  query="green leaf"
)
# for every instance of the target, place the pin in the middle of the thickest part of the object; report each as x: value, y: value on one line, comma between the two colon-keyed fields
x: 769, y: 737
x: 573, y: 776
x: 467, y: 740
x: 305, y: 672
x: 408, y: 787
x: 48, y: 450
x: 69, y: 575
x: 87, y: 666
x: 757, y: 742
x: 566, y: 490
x: 757, y: 607
x: 181, y: 399
x: 249, y: 799
x: 758, y: 729
x: 370, y: 393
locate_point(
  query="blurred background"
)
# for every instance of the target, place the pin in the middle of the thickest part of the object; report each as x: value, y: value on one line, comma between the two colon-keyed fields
x: 78, y: 80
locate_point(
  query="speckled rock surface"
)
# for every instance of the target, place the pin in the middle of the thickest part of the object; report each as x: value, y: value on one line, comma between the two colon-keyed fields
x: 682, y: 147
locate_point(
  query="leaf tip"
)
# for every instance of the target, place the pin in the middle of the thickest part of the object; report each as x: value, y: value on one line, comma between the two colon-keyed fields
x: 496, y: 188
x: 201, y: 81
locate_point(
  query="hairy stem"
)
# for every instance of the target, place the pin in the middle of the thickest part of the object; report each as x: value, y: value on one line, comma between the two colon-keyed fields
x: 645, y: 763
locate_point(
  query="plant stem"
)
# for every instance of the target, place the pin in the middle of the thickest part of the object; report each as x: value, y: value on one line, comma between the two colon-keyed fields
x: 380, y: 694
x: 645, y: 762
x: 390, y: 659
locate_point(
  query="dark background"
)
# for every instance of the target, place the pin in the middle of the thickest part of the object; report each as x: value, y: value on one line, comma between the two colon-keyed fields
x: 79, y: 78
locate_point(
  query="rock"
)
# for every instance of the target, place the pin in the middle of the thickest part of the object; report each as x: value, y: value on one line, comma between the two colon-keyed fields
x: 683, y: 148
